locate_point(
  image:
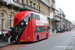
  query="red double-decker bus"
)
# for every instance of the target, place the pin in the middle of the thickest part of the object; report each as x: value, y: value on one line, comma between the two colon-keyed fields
x: 30, y: 27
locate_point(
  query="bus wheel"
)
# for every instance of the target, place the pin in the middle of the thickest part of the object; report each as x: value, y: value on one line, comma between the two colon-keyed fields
x: 37, y: 38
x: 46, y: 36
x: 19, y: 43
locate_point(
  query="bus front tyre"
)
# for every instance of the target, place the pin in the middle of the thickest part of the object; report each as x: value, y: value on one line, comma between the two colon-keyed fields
x: 46, y: 36
x: 37, y: 38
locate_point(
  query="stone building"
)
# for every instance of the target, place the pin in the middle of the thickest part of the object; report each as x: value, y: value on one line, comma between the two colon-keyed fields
x: 62, y: 14
x: 52, y: 10
x: 68, y: 24
x: 57, y: 20
x: 7, y: 12
x: 60, y: 23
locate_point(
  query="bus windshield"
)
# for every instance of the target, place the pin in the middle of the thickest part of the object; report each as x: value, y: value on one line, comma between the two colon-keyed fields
x: 21, y: 26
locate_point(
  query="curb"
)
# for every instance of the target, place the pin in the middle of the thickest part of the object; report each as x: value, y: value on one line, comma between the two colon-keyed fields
x: 5, y: 45
x: 57, y: 33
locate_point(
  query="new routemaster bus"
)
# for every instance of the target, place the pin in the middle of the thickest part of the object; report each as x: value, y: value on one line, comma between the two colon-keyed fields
x: 30, y: 27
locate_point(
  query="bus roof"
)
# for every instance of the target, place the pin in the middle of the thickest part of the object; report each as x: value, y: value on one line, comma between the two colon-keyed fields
x: 21, y: 15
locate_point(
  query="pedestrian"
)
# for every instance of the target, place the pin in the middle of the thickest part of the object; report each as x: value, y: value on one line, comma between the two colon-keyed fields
x: 55, y: 31
x: 5, y: 37
x: 9, y: 37
x: 59, y: 30
x: 4, y: 34
x: 2, y: 31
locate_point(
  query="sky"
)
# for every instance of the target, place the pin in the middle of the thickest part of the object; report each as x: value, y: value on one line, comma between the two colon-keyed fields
x: 68, y: 7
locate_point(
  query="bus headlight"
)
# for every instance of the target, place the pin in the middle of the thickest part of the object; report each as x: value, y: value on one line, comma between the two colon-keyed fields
x: 16, y: 36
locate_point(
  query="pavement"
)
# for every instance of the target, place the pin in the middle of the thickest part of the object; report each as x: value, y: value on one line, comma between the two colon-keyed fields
x: 53, y: 34
x: 3, y: 44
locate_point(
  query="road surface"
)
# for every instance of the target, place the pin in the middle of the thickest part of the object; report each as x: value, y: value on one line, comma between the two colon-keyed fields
x: 62, y: 41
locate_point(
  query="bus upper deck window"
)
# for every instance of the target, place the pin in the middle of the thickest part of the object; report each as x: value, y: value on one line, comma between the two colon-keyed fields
x: 27, y: 19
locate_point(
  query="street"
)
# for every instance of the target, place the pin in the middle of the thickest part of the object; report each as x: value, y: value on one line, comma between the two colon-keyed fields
x: 62, y: 41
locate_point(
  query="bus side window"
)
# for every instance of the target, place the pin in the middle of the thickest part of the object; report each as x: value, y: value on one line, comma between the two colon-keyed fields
x: 37, y: 17
x: 41, y: 18
x: 34, y: 16
x: 46, y: 19
x: 48, y: 28
x: 28, y: 19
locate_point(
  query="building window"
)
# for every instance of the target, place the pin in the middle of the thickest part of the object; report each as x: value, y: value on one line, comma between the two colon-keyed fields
x: 15, y: 1
x: 53, y: 1
x: 11, y: 20
x: 27, y: 2
x: 2, y: 21
x: 23, y: 2
x: 20, y: 1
